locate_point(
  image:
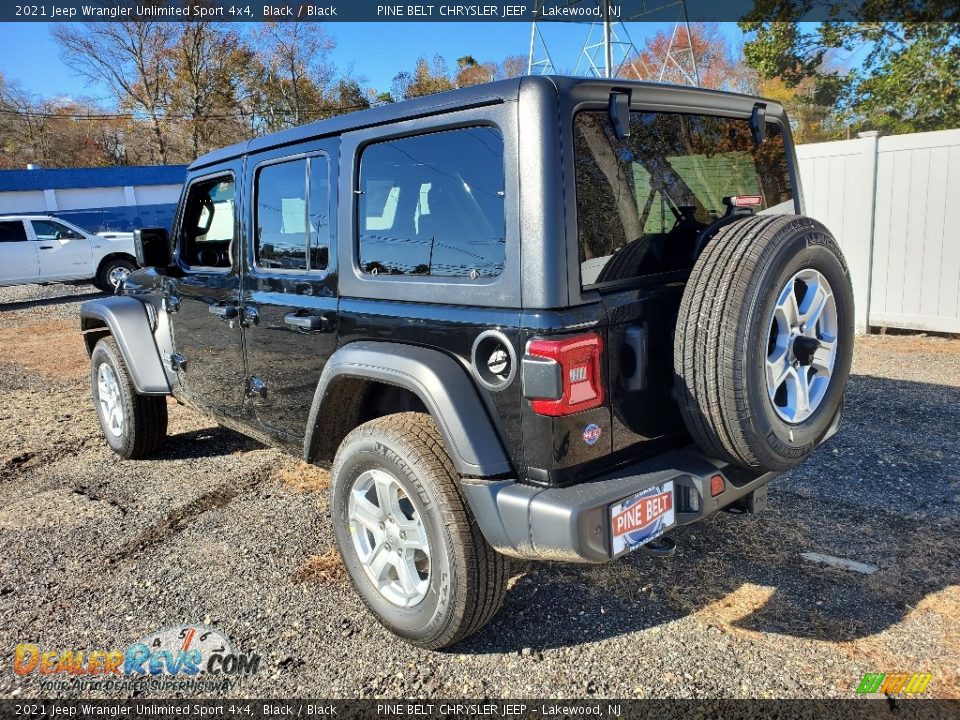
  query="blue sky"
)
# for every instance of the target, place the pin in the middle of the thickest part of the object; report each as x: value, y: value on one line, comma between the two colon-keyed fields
x: 373, y: 51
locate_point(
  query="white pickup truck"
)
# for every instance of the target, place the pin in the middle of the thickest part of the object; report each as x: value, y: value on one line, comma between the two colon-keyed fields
x: 45, y: 249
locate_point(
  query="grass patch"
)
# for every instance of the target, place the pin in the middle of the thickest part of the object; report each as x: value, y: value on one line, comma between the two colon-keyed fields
x: 325, y: 568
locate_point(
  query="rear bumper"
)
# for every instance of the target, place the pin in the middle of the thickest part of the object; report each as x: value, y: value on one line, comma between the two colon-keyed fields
x: 573, y: 523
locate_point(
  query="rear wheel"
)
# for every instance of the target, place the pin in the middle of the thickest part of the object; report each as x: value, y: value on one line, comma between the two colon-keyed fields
x: 113, y: 272
x: 408, y: 540
x: 764, y: 341
x: 135, y: 426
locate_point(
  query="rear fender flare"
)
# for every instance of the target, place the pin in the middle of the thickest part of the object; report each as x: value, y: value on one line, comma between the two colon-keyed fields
x: 127, y: 321
x: 441, y: 384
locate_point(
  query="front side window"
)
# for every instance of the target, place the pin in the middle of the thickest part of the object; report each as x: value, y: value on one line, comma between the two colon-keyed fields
x: 209, y: 224
x: 49, y: 230
x: 433, y: 205
x: 293, y: 215
x: 643, y: 200
x: 12, y: 231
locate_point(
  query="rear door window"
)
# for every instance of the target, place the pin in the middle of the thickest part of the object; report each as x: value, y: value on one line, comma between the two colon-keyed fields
x: 293, y: 215
x: 12, y: 231
x: 282, y: 216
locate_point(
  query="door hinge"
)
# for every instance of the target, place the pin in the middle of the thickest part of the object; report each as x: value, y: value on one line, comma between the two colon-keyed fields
x: 256, y: 387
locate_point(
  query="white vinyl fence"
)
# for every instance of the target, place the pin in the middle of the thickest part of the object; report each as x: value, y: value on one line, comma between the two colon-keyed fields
x: 893, y: 203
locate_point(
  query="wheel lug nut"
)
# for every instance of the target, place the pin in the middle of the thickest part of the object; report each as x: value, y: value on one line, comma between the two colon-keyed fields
x: 383, y: 525
x: 403, y: 535
x: 388, y: 547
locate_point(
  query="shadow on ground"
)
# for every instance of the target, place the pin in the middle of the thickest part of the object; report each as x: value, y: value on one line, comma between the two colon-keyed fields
x: 48, y: 301
x: 206, y: 442
x: 884, y: 491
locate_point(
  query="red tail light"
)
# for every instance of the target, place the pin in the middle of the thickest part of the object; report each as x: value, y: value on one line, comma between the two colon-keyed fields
x: 579, y: 361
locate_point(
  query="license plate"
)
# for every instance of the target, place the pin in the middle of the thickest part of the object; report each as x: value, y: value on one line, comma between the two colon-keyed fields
x: 640, y: 518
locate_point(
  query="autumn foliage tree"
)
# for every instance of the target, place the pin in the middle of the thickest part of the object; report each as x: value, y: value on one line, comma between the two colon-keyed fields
x: 705, y: 58
x: 903, y: 78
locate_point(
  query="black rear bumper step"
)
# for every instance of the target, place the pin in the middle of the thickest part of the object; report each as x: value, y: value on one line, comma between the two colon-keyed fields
x: 572, y: 523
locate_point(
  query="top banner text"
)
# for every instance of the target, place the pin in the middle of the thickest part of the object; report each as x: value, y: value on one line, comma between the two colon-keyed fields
x: 487, y: 11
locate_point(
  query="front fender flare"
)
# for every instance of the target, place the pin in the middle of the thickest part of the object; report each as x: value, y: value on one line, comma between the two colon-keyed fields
x: 441, y: 384
x: 128, y: 323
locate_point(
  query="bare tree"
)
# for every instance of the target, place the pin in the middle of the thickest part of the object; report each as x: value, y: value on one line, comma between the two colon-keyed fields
x: 513, y: 66
x: 133, y: 59
x: 297, y: 71
x: 210, y: 68
x: 24, y: 125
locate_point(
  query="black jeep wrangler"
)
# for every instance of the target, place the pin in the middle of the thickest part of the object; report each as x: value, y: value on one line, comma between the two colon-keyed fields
x: 547, y: 318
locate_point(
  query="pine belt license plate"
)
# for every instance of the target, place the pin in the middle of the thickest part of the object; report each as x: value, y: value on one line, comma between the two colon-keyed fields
x: 642, y: 517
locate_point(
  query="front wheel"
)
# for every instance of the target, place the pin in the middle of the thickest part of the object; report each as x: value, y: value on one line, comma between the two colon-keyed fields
x: 408, y: 540
x: 134, y: 426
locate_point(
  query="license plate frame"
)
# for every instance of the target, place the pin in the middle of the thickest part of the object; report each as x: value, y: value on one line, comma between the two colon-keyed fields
x: 642, y: 517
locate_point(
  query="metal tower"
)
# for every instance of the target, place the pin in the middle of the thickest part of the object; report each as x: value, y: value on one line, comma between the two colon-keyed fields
x: 609, y: 51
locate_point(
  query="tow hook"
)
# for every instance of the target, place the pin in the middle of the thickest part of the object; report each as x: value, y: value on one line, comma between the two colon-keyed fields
x: 661, y: 547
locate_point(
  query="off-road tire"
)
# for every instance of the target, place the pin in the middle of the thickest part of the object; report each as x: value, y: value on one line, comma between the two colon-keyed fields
x: 145, y: 416
x: 721, y: 341
x: 468, y: 579
x: 102, y: 281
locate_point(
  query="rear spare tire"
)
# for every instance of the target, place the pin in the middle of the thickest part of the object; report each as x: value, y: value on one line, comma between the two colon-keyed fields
x: 764, y: 341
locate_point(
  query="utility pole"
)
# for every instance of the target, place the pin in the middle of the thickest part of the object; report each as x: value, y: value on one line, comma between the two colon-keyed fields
x: 607, y: 47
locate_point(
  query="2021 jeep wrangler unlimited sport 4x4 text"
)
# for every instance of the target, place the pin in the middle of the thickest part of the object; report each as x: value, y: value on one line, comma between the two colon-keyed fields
x: 547, y: 318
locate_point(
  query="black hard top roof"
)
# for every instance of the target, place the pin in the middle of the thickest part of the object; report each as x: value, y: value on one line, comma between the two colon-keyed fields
x: 475, y: 96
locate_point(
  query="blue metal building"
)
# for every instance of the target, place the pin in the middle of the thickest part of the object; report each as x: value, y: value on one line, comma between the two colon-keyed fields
x: 96, y: 199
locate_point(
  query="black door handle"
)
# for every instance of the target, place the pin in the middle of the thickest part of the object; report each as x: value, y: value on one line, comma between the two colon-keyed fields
x: 46, y: 247
x: 307, y: 322
x: 224, y: 312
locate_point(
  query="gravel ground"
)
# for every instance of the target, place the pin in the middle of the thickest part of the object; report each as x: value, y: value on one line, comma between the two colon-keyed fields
x: 96, y: 552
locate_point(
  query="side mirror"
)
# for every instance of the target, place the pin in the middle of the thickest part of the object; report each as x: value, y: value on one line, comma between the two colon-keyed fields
x: 153, y: 247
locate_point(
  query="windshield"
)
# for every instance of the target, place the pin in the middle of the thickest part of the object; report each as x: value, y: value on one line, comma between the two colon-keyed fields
x: 643, y: 200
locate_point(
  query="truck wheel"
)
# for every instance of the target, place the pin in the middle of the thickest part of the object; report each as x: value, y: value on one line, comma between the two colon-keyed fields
x: 407, y: 537
x: 113, y: 272
x: 764, y: 341
x: 135, y: 426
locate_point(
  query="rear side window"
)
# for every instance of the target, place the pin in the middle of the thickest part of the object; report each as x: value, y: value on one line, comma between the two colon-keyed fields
x: 643, y: 200
x: 433, y: 205
x: 12, y: 231
x: 293, y: 215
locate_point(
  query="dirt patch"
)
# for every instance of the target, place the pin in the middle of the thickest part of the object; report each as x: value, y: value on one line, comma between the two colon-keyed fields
x: 58, y: 509
x: 742, y: 602
x: 302, y: 477
x: 909, y: 343
x: 53, y: 348
x: 327, y: 568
